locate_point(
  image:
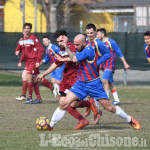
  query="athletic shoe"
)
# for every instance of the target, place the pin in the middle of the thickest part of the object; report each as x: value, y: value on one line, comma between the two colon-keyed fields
x: 93, y: 106
x: 82, y: 123
x: 49, y: 128
x: 134, y: 123
x: 97, y: 118
x: 87, y: 112
x: 116, y: 103
x: 37, y: 101
x: 29, y: 100
x: 21, y: 98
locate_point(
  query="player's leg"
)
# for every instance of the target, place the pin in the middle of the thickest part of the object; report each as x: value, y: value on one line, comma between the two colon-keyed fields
x: 61, y: 110
x: 46, y: 83
x: 114, y: 93
x: 24, y: 86
x: 120, y: 112
x: 105, y: 78
x: 57, y: 76
x: 37, y: 91
x: 72, y: 110
x: 30, y: 88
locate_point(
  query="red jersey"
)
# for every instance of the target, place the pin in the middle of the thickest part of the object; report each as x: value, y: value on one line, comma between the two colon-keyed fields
x: 70, y: 71
x: 71, y: 68
x: 31, y: 48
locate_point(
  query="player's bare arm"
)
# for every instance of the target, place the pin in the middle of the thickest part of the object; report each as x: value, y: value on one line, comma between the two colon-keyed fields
x: 17, y: 53
x: 148, y: 59
x: 48, y: 71
x: 71, y: 54
x: 19, y: 64
x: 37, y: 64
x: 126, y: 65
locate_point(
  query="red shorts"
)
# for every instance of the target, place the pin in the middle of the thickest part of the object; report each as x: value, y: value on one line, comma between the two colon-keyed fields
x: 67, y: 83
x: 30, y: 66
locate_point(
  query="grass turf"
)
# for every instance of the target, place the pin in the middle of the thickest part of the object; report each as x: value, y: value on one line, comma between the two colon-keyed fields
x: 18, y: 130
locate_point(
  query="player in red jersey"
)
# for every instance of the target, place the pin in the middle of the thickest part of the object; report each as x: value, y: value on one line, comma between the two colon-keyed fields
x: 32, y: 51
x: 70, y: 74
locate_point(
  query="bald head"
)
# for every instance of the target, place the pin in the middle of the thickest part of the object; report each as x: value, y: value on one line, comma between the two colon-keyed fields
x: 80, y: 42
x: 80, y: 37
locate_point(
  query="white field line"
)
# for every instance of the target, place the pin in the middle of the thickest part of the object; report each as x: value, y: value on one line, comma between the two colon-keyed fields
x: 82, y: 133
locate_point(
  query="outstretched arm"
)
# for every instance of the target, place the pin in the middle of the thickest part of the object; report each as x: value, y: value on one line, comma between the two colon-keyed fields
x: 49, y: 70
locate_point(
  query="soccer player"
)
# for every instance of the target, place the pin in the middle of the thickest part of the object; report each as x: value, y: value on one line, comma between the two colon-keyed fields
x: 108, y: 67
x: 88, y: 83
x: 70, y: 74
x: 56, y: 75
x: 101, y: 52
x: 147, y: 45
x: 24, y: 73
x: 32, y: 52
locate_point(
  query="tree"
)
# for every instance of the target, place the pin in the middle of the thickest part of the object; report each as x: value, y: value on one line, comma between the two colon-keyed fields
x: 50, y: 8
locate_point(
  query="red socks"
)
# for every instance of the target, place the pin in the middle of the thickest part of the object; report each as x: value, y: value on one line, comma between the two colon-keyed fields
x: 24, y: 87
x: 84, y: 104
x: 30, y: 89
x: 37, y: 90
x: 47, y: 84
x: 74, y: 113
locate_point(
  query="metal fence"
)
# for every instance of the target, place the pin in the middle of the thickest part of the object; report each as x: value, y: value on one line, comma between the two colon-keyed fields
x: 131, y: 24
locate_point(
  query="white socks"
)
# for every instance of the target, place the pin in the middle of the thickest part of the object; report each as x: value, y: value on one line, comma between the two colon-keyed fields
x: 56, y: 90
x: 115, y: 95
x: 122, y: 114
x: 57, y: 116
x: 97, y: 104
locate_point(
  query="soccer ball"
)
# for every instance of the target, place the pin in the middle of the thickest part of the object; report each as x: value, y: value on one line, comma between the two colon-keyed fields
x: 42, y: 123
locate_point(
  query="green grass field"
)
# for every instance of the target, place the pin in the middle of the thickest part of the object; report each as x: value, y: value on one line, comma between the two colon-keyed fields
x: 18, y: 131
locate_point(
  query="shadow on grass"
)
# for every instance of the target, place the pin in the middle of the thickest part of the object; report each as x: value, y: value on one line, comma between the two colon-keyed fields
x: 131, y: 104
x: 106, y: 127
x: 50, y: 102
x: 11, y: 83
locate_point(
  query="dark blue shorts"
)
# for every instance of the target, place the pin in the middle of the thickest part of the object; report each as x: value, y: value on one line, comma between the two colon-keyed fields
x: 93, y: 88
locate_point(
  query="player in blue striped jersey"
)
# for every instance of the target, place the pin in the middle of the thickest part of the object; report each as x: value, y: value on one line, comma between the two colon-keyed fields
x: 56, y: 75
x: 147, y: 45
x: 92, y: 86
x: 108, y: 67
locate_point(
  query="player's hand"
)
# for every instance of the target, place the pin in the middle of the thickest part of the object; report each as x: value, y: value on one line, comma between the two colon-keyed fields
x: 39, y: 78
x: 65, y: 40
x: 126, y: 66
x: 37, y: 65
x: 19, y: 64
x: 58, y: 57
x: 17, y: 53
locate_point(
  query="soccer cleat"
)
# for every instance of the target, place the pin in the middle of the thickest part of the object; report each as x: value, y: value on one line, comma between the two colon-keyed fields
x: 37, y: 101
x: 21, y: 98
x: 29, y: 100
x: 81, y: 124
x: 87, y: 112
x: 97, y: 118
x: 93, y: 106
x: 134, y: 123
x: 49, y: 128
x: 116, y: 103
